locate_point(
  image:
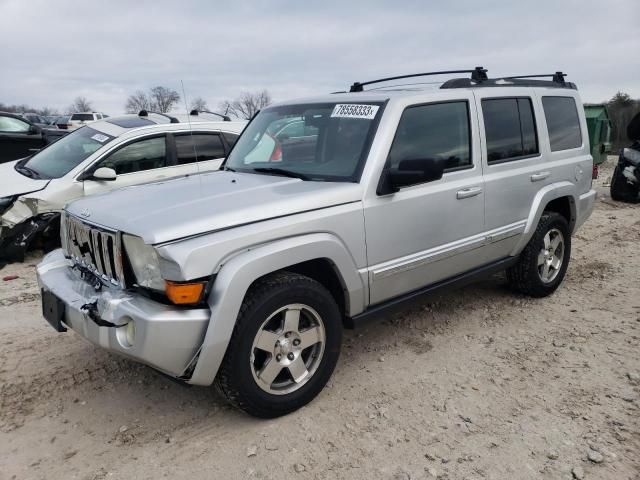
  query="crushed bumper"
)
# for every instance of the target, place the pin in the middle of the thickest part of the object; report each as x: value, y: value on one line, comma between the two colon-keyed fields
x: 166, y: 338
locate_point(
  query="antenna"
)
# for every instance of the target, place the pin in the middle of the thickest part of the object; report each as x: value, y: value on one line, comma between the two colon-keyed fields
x: 195, y: 151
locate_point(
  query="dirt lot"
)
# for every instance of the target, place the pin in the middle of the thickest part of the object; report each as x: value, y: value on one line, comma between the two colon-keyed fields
x: 477, y: 384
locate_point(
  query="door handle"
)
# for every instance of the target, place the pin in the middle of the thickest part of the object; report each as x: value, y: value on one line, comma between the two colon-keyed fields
x: 468, y: 192
x: 536, y: 177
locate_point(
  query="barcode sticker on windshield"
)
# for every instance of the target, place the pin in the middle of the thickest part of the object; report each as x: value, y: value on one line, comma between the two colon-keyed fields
x: 352, y: 110
x: 100, y: 138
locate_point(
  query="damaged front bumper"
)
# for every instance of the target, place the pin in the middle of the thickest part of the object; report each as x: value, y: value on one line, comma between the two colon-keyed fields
x: 162, y: 336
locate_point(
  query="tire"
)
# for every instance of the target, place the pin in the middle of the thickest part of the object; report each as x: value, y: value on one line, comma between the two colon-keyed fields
x: 529, y: 276
x: 245, y: 375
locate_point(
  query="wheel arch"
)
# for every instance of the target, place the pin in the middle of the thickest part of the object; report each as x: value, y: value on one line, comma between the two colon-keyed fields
x: 321, y: 256
x: 557, y: 197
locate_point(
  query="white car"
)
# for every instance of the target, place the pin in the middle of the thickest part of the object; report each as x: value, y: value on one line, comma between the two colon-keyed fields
x: 109, y: 154
x: 80, y: 119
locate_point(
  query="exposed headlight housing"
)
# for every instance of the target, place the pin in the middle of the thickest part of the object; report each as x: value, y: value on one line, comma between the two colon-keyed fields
x: 144, y: 263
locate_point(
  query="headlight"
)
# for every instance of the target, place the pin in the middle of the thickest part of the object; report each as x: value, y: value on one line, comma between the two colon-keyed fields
x: 144, y: 262
x: 5, y: 203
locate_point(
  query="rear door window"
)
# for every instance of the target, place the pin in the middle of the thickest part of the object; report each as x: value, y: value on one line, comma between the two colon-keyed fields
x: 198, y: 147
x: 563, y: 123
x: 510, y: 129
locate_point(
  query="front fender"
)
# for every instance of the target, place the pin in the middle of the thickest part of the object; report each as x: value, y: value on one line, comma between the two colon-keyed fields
x: 236, y: 276
x: 541, y: 200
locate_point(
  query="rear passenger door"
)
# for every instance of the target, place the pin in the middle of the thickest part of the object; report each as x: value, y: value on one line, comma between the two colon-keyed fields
x: 514, y: 164
x: 427, y: 232
x: 198, y: 151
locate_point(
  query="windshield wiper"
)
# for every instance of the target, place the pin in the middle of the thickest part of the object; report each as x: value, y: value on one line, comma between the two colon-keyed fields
x: 283, y: 172
x: 228, y: 169
x: 29, y: 172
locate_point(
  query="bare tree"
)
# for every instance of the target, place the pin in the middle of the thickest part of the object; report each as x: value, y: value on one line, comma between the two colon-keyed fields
x: 246, y: 105
x: 80, y: 104
x: 622, y: 109
x: 163, y: 99
x: 199, y: 104
x: 138, y: 101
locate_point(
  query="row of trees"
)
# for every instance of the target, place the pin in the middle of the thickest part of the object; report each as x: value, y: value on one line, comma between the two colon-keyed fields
x: 80, y: 104
x: 164, y: 99
x: 161, y: 99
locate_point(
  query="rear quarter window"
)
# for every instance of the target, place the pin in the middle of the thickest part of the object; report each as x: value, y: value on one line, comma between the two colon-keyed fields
x: 563, y: 123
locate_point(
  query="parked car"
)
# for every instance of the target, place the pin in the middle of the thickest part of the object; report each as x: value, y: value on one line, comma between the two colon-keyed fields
x: 20, y: 138
x: 247, y: 277
x: 36, y: 119
x: 106, y: 155
x: 80, y: 119
x: 62, y: 122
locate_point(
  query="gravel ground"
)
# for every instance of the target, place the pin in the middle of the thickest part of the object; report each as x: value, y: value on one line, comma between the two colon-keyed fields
x: 477, y: 384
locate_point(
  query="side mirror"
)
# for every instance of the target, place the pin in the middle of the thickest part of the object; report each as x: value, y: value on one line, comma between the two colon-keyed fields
x: 34, y: 130
x: 411, y: 172
x: 104, y: 174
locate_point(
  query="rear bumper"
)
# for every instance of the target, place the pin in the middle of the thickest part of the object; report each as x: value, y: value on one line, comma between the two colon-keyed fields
x: 166, y: 338
x: 584, y: 208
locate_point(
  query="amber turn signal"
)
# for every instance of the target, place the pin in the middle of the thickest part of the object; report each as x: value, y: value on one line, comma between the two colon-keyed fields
x: 184, y: 293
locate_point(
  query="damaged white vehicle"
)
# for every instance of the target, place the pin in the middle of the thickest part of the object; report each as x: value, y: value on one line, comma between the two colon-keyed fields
x: 109, y: 154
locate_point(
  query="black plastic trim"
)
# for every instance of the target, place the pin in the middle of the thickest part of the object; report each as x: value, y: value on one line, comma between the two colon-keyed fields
x: 401, y: 302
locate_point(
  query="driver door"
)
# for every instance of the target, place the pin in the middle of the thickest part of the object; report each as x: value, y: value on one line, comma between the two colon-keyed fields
x: 428, y: 232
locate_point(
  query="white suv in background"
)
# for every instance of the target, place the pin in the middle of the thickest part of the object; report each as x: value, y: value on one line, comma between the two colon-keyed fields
x: 80, y: 119
x: 106, y: 155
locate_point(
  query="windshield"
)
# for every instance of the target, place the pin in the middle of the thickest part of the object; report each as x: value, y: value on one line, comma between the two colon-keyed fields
x: 322, y: 141
x: 61, y: 157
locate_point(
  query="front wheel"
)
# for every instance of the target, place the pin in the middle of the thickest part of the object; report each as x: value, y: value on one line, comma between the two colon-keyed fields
x: 544, y: 261
x: 284, y: 347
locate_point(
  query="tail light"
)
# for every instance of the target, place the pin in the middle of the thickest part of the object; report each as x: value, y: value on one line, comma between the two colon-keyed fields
x: 594, y: 172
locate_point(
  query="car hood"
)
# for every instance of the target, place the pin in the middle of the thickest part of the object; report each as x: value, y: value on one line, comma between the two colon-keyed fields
x: 13, y: 183
x: 164, y: 211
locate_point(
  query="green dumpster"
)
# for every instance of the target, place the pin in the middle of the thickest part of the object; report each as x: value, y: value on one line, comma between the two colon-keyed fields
x: 599, y: 127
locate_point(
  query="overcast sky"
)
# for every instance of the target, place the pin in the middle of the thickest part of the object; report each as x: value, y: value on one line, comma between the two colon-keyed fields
x: 53, y: 51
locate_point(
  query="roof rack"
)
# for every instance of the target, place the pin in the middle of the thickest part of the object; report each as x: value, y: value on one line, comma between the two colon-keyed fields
x: 145, y: 113
x: 195, y: 112
x: 557, y: 81
x: 478, y: 74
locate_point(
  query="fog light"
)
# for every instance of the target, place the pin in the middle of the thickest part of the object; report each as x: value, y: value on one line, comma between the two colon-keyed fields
x: 126, y: 334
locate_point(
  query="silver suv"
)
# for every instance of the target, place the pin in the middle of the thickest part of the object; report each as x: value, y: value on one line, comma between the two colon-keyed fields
x: 246, y: 277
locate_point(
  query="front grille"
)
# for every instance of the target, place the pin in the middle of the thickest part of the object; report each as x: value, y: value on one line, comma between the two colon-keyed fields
x: 95, y: 248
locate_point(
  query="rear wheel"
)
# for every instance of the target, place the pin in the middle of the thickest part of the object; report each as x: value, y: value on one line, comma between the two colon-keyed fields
x: 284, y: 347
x: 543, y: 263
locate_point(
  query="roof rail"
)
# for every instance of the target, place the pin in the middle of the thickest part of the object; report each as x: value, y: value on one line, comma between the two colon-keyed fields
x: 145, y: 113
x: 195, y: 112
x: 478, y: 74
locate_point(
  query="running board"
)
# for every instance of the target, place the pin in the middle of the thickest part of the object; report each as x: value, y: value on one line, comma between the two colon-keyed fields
x: 402, y: 302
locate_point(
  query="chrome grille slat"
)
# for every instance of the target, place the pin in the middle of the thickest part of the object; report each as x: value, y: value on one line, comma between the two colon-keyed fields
x: 95, y: 248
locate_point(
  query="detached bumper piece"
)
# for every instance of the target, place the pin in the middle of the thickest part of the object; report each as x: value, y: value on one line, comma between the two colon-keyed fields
x: 15, y: 242
x: 162, y: 336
